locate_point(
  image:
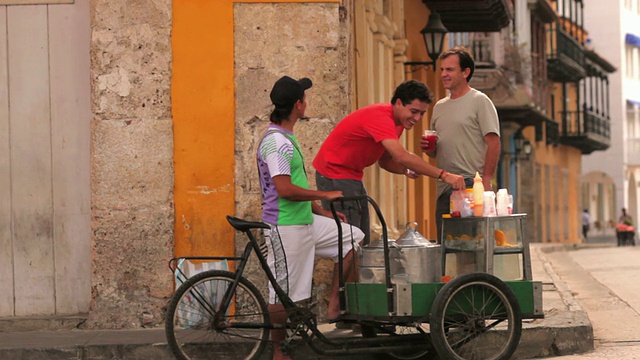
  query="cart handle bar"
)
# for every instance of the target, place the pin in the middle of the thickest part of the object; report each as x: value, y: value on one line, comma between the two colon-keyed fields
x: 385, y: 240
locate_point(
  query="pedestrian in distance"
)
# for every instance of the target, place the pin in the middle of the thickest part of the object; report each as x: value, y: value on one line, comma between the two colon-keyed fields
x: 586, y: 222
x: 371, y: 135
x: 467, y: 127
x: 625, y: 218
x: 625, y: 231
x: 300, y: 228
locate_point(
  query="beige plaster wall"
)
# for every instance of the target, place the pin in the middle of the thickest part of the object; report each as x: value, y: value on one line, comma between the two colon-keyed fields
x: 132, y: 169
x: 299, y: 40
x: 132, y: 166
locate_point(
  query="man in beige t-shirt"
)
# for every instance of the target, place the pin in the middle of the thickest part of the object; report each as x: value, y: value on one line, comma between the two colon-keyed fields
x: 467, y: 125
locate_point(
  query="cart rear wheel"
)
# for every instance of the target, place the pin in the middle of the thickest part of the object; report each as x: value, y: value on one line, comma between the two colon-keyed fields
x: 476, y: 316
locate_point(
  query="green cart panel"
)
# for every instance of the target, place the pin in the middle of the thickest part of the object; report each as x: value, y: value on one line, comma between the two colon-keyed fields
x: 370, y: 300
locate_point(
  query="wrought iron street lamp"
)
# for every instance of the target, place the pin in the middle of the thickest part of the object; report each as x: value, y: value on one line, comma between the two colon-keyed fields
x: 522, y: 146
x: 433, y: 34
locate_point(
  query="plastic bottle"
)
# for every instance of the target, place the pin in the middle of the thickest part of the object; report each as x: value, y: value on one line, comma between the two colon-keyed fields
x: 469, y: 193
x: 456, y: 202
x: 502, y: 202
x: 489, y: 204
x: 478, y: 194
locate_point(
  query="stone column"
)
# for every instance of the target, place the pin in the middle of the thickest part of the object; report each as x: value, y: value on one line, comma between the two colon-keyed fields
x: 132, y: 162
x: 298, y: 40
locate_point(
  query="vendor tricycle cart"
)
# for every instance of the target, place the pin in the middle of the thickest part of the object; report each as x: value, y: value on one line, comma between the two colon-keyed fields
x: 477, y: 314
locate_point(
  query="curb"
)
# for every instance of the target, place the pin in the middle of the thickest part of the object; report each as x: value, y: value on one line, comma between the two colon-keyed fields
x: 563, y: 331
x: 549, y: 248
x: 86, y: 352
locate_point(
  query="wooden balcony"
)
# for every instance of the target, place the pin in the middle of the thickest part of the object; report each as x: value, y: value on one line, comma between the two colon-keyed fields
x: 486, y: 48
x: 481, y: 45
x: 523, y: 116
x: 565, y: 56
x: 552, y: 130
x: 473, y: 15
x: 585, y: 130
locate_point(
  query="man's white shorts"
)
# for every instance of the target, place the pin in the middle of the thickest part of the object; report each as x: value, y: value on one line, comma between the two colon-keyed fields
x: 293, y: 249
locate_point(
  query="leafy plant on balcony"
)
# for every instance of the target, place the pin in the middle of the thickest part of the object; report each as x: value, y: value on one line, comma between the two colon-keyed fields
x: 517, y: 60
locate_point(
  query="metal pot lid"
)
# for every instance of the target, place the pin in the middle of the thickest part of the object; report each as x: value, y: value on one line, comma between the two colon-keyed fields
x: 378, y: 244
x: 411, y: 237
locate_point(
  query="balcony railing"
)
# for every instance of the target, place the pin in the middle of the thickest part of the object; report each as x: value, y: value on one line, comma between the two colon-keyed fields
x: 488, y: 50
x: 539, y: 81
x: 565, y: 56
x: 478, y: 43
x: 633, y: 151
x: 585, y: 130
x: 552, y: 129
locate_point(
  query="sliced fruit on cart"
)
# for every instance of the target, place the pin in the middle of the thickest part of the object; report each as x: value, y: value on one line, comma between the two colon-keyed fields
x: 501, y: 238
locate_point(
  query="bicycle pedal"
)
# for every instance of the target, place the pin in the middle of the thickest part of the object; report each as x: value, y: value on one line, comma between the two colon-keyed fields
x: 284, y: 344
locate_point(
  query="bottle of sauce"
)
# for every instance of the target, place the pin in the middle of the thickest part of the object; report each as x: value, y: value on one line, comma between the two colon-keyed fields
x: 478, y: 195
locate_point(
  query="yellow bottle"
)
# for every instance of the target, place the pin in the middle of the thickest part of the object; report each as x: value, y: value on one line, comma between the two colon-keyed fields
x: 478, y: 194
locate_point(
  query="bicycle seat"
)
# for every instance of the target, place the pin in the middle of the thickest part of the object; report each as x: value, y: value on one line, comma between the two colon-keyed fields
x: 244, y: 225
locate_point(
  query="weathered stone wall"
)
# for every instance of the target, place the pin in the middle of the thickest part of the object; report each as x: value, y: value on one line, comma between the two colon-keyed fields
x: 299, y: 40
x: 132, y: 166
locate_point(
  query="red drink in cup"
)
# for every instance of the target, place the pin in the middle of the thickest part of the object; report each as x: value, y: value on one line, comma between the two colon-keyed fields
x: 432, y: 137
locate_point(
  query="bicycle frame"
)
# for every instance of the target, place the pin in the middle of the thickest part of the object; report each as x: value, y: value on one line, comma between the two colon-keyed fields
x: 407, y: 338
x: 343, y: 345
x: 289, y: 305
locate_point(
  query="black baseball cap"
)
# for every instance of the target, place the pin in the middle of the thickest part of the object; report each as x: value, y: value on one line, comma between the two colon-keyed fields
x: 286, y: 91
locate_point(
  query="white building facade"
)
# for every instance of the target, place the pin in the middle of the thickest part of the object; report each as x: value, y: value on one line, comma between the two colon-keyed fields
x: 610, y: 178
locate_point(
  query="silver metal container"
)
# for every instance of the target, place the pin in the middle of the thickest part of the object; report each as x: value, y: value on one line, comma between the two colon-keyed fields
x: 416, y: 259
x: 373, y: 253
x: 372, y: 275
x: 412, y: 259
x: 417, y: 264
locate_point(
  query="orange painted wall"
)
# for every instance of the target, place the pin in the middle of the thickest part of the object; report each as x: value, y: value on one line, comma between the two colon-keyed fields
x: 202, y: 93
x: 422, y: 191
x: 203, y: 105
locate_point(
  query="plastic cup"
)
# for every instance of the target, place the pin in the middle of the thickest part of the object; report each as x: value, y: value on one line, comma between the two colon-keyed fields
x: 432, y: 137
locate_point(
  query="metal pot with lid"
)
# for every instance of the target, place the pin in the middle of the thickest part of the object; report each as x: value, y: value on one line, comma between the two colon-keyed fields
x: 411, y: 237
x: 412, y: 258
x: 416, y: 259
x: 371, y: 261
x: 373, y: 253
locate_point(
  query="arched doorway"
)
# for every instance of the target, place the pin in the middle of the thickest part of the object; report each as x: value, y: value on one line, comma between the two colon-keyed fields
x: 598, y: 195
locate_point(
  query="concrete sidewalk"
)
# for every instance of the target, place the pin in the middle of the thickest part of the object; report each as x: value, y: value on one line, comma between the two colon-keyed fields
x: 564, y: 330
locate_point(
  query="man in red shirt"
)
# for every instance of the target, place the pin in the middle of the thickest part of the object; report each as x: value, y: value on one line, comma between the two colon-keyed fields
x: 371, y: 135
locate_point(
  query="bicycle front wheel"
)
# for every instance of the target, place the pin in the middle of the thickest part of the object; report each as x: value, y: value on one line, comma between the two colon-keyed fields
x: 197, y: 327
